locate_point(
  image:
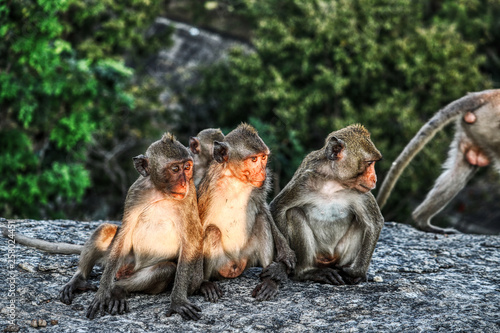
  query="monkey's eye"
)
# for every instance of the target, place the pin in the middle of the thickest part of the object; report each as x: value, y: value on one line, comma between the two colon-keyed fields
x: 370, y: 163
x: 264, y: 157
x: 187, y: 167
x: 175, y: 168
x: 254, y: 159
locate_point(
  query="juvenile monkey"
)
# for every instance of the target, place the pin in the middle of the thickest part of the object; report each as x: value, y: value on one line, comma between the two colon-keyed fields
x: 476, y: 144
x: 202, y: 147
x: 239, y: 230
x: 159, y: 241
x: 327, y: 213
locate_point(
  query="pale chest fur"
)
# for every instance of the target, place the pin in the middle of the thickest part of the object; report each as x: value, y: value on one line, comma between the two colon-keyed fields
x: 228, y: 212
x: 330, y: 214
x: 158, y: 224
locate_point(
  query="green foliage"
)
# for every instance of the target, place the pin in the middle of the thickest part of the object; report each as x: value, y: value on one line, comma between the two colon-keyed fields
x: 64, y: 87
x: 321, y: 65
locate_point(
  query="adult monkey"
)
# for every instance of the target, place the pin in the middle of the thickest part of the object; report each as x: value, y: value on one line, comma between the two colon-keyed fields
x: 476, y: 144
x: 202, y: 146
x: 159, y: 242
x: 327, y: 213
x: 239, y: 229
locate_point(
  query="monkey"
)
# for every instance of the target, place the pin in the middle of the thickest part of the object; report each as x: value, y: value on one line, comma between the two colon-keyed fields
x: 239, y: 231
x: 158, y: 243
x: 327, y: 213
x: 201, y: 146
x: 476, y: 144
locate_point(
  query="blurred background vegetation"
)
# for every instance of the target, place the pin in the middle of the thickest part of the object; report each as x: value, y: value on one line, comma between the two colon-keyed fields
x: 79, y: 95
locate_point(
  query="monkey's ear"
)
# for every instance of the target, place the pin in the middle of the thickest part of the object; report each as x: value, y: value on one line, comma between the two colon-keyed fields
x: 194, y: 145
x: 334, y: 149
x: 141, y: 164
x: 221, y: 151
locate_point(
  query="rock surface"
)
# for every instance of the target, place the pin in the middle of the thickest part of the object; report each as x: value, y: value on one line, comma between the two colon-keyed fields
x: 425, y: 282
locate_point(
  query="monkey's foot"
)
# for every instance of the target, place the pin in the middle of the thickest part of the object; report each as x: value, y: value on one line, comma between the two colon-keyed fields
x: 113, y: 302
x: 187, y: 310
x: 348, y: 277
x: 266, y: 290
x: 437, y: 230
x: 324, y: 275
x: 211, y: 291
x: 69, y: 290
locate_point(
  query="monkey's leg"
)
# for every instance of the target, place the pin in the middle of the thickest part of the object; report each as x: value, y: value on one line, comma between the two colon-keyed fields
x: 458, y: 172
x: 302, y: 241
x: 152, y: 280
x: 213, y: 253
x: 94, y: 250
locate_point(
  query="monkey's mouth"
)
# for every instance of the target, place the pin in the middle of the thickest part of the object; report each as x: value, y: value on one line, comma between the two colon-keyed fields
x: 258, y: 183
x: 178, y: 195
x: 363, y: 188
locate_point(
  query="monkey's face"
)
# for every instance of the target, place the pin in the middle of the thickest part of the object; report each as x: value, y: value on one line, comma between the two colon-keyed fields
x: 367, y: 180
x: 252, y: 170
x: 177, y: 177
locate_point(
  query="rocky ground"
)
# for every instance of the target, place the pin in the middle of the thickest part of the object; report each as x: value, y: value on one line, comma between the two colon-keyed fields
x: 425, y: 282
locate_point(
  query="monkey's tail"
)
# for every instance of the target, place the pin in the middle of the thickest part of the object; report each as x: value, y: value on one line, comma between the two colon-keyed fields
x: 60, y: 248
x: 443, y: 117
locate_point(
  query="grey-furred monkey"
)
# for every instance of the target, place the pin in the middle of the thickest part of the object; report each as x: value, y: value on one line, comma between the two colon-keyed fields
x: 159, y: 241
x: 202, y: 146
x: 239, y: 229
x: 327, y: 213
x: 476, y: 144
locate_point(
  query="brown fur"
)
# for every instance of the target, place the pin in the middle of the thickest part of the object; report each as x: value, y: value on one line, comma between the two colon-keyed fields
x: 239, y: 230
x: 159, y: 240
x: 327, y: 213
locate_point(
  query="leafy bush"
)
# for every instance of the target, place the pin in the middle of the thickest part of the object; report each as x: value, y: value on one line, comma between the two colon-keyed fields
x: 321, y: 65
x: 64, y: 83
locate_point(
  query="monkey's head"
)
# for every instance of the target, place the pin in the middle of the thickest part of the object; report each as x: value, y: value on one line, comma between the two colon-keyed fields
x: 202, y: 144
x: 352, y: 156
x: 244, y: 154
x: 169, y: 166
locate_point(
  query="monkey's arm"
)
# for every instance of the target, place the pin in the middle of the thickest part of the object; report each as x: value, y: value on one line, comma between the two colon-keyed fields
x: 284, y: 253
x: 189, y: 266
x: 189, y: 273
x: 110, y: 297
x: 370, y: 219
x: 60, y: 248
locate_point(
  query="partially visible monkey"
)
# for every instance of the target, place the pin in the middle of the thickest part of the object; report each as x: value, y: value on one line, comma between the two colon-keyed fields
x: 159, y: 242
x: 239, y: 229
x: 476, y: 144
x: 327, y: 213
x: 202, y: 146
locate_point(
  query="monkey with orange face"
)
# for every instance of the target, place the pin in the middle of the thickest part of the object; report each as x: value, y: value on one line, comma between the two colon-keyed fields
x: 239, y: 229
x: 327, y: 213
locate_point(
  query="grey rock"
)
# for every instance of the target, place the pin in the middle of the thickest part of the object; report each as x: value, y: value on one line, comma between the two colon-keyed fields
x: 428, y: 282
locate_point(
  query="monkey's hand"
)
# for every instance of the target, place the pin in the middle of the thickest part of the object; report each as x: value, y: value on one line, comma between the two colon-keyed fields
x: 211, y: 291
x: 287, y: 256
x: 276, y: 271
x: 266, y: 290
x: 113, y: 302
x: 187, y: 310
x: 67, y: 293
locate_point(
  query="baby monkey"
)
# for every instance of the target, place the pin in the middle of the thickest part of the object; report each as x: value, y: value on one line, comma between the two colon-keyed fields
x: 327, y: 213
